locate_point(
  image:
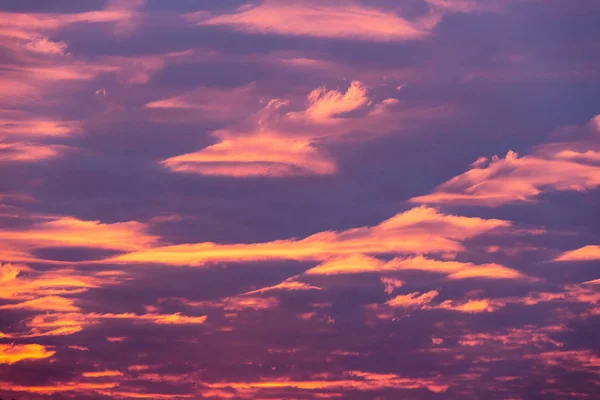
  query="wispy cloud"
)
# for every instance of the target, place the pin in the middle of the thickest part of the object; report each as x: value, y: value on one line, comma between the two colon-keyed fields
x: 309, y: 18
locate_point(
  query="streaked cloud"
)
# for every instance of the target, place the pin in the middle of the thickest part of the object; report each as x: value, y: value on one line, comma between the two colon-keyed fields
x: 413, y: 300
x: 255, y: 156
x: 288, y: 285
x: 586, y: 253
x: 13, y: 353
x: 452, y: 269
x: 565, y: 166
x: 419, y: 230
x: 315, y: 19
x: 355, y: 380
x: 101, y: 374
x: 25, y: 152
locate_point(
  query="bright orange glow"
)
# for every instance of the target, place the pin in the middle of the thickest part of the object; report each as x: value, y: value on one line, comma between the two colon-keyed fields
x: 101, y: 374
x: 409, y: 232
x: 10, y: 354
x: 353, y: 380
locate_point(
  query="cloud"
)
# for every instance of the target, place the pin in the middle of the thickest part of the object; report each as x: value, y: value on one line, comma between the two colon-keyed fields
x: 419, y: 230
x: 46, y: 303
x: 470, y: 306
x: 288, y: 285
x: 61, y: 324
x: 276, y: 142
x: 351, y: 380
x: 413, y: 300
x: 206, y: 103
x: 391, y: 284
x: 19, y: 124
x: 45, y: 46
x: 101, y: 374
x: 565, y: 166
x: 20, y: 245
x: 60, y: 387
x: 231, y: 304
x: 316, y: 19
x: 355, y: 264
x: 253, y: 156
x: 586, y: 253
x: 23, y: 283
x: 13, y: 353
x: 28, y: 152
x: 325, y: 106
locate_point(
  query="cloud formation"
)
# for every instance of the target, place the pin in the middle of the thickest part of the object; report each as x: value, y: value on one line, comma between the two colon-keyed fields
x: 419, y: 230
x: 586, y: 253
x: 13, y: 353
x: 566, y: 166
x: 309, y: 18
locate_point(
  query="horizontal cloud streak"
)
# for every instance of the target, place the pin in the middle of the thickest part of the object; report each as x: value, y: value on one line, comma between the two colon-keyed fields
x: 419, y: 230
x: 316, y: 19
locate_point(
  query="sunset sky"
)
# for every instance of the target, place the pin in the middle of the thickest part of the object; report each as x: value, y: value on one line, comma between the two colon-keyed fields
x: 299, y: 199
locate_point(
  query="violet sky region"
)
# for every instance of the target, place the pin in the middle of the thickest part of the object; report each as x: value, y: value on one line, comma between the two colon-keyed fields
x: 269, y: 199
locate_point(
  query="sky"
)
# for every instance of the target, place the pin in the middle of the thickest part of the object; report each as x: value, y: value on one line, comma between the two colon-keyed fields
x: 268, y: 199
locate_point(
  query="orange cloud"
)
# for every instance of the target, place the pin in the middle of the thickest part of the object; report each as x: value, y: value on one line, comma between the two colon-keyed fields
x: 419, y: 230
x: 47, y: 303
x: 316, y: 19
x: 71, y: 232
x: 35, y: 285
x: 101, y: 374
x: 354, y: 264
x: 586, y: 253
x: 139, y: 395
x: 352, y: 380
x: 260, y: 155
x: 12, y: 353
x: 470, y: 306
x: 515, y: 338
x: 567, y: 166
x: 413, y: 300
x: 60, y: 387
x: 68, y: 323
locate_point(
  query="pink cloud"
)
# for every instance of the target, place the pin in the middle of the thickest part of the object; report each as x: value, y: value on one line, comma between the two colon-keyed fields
x: 26, y: 152
x: 275, y: 142
x: 325, y: 106
x: 565, y: 166
x: 255, y: 156
x: 586, y: 253
x: 311, y: 18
